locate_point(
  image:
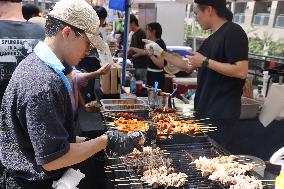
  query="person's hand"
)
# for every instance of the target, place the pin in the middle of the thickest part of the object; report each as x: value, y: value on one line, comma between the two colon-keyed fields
x: 104, y: 69
x: 196, y: 59
x: 153, y: 48
x: 122, y: 144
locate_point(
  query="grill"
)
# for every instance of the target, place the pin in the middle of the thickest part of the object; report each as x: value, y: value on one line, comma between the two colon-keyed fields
x: 182, y: 149
x: 124, y: 177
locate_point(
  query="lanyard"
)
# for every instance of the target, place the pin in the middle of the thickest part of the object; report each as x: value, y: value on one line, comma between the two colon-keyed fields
x: 50, y: 59
x: 61, y: 75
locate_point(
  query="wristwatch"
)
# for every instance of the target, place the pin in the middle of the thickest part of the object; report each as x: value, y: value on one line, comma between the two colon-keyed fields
x: 205, y: 62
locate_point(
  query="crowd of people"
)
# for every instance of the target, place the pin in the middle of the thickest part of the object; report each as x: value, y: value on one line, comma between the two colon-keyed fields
x: 41, y: 62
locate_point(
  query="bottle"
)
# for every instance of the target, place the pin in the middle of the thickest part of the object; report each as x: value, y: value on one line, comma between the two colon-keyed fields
x: 132, y: 85
x: 259, y: 96
x: 264, y: 82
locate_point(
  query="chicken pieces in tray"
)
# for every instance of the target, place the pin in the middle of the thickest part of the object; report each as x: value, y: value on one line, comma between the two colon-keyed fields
x: 131, y: 125
x: 228, y: 171
x: 155, y: 167
x: 168, y: 122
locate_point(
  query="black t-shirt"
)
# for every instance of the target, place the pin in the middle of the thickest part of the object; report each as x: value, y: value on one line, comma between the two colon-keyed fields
x: 219, y: 96
x: 151, y: 64
x: 17, y: 40
x: 136, y: 41
x: 36, y: 121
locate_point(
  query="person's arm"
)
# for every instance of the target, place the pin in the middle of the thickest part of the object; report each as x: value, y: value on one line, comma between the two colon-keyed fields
x: 77, y: 153
x: 155, y: 49
x: 114, y: 141
x: 136, y: 52
x: 92, y: 75
x: 237, y: 69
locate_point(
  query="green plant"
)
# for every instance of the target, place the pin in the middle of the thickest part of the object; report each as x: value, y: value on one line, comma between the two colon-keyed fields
x: 199, y: 32
x: 265, y: 45
x: 277, y: 48
x: 256, y: 45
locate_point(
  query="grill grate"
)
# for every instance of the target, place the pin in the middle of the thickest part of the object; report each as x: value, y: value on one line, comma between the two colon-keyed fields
x: 181, y: 154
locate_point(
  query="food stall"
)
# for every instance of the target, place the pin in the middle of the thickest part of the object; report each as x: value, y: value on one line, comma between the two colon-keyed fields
x: 177, y: 152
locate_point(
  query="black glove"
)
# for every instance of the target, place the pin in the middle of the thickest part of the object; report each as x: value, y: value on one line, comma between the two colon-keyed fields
x: 122, y: 144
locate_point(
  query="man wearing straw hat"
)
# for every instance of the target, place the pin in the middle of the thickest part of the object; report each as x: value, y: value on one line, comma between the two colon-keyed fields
x: 37, y: 143
x: 222, y: 63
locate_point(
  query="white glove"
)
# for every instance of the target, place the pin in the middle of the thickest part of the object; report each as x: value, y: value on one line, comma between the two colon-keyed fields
x: 69, y: 180
x: 153, y: 48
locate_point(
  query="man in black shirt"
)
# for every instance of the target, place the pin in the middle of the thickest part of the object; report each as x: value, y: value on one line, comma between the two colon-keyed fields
x: 222, y: 63
x: 139, y: 63
x: 17, y: 39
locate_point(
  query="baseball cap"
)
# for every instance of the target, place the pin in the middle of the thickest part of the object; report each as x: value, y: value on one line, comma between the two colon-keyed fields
x: 213, y: 3
x: 218, y: 4
x: 80, y: 14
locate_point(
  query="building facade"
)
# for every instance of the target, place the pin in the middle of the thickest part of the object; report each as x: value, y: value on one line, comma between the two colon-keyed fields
x: 261, y: 17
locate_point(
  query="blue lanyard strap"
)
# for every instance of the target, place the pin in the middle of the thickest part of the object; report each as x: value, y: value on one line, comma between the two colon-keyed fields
x: 62, y: 77
x: 49, y: 58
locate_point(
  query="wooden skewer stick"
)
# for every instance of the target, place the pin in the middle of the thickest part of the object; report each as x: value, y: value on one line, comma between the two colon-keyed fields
x: 267, y: 180
x: 208, y: 131
x: 208, y: 127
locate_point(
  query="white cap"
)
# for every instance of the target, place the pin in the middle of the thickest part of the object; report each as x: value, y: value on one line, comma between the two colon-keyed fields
x: 80, y: 14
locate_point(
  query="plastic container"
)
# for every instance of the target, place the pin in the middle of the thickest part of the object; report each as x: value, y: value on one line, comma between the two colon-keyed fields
x: 181, y: 50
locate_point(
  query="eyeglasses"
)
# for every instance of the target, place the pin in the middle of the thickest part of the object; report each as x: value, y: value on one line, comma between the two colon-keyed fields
x: 78, y: 33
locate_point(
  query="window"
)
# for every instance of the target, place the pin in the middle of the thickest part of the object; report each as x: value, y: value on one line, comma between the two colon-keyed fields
x: 239, y: 18
x: 261, y: 19
x: 279, y: 21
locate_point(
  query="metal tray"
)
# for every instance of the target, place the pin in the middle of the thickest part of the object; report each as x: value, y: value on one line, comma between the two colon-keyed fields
x: 125, y: 107
x: 111, y: 116
x: 121, y: 101
x: 249, y: 108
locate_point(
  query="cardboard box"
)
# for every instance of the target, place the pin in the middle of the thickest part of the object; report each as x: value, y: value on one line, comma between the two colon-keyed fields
x: 110, y: 82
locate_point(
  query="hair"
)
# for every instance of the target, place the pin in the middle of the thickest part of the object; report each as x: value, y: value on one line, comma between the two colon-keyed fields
x: 155, y: 26
x: 13, y: 1
x: 30, y: 10
x: 134, y: 19
x: 101, y: 12
x: 227, y: 14
x: 53, y: 26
